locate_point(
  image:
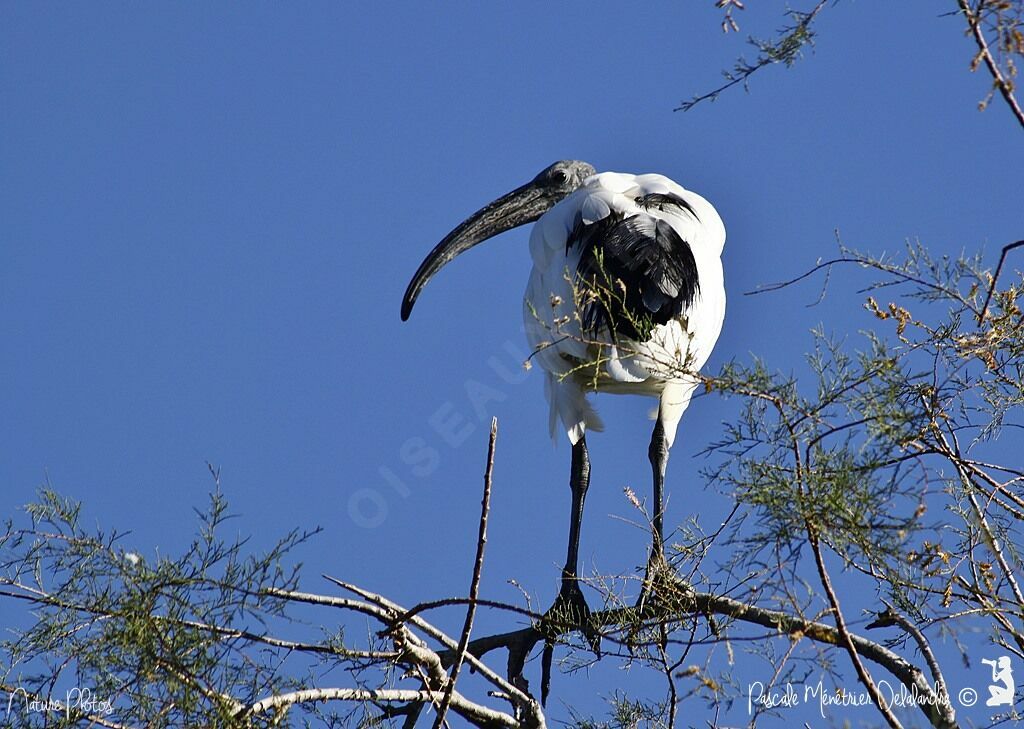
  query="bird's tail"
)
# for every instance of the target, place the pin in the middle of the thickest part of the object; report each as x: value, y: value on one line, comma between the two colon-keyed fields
x: 569, y: 404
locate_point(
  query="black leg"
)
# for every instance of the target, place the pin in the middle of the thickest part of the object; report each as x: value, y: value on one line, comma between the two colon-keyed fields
x: 579, y: 482
x: 570, y: 607
x: 658, y: 453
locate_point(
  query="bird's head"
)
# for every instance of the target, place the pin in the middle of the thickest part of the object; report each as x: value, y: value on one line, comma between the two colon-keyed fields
x: 521, y: 206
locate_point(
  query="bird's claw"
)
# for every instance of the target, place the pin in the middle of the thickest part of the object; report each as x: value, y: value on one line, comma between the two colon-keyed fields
x: 570, y: 609
x: 662, y: 589
x: 655, y: 574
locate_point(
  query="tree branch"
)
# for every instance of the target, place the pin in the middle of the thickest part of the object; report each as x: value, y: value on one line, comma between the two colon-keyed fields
x: 523, y: 701
x: 891, y: 616
x: 474, y: 586
x: 995, y: 277
x: 478, y: 715
x: 844, y: 634
x: 782, y: 623
x: 785, y: 49
x: 1005, y: 87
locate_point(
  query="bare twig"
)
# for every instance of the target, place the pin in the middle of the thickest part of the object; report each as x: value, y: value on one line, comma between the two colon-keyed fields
x: 845, y: 637
x: 926, y: 649
x: 995, y: 277
x: 867, y: 263
x: 479, y: 602
x: 471, y: 656
x: 784, y: 50
x: 1005, y: 87
x: 474, y: 587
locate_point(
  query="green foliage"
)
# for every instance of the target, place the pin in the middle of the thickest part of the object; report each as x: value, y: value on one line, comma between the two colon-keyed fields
x: 878, y: 453
x: 156, y: 636
x: 786, y: 48
x: 869, y: 458
x: 626, y: 713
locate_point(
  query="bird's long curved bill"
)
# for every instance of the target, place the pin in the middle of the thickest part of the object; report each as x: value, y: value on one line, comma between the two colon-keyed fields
x: 523, y: 205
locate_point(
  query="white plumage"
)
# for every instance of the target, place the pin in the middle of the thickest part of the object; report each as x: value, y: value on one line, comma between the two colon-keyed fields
x: 661, y: 366
x: 626, y: 296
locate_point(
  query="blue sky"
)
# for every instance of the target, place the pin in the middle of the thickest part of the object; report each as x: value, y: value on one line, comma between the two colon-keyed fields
x: 209, y: 213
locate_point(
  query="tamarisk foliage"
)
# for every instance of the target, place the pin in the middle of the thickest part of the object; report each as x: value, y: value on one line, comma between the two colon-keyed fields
x: 866, y: 521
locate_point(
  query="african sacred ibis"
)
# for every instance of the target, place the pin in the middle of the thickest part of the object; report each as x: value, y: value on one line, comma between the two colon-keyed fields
x: 626, y: 296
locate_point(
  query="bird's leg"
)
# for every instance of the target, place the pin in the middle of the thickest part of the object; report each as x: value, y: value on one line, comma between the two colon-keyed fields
x: 570, y: 606
x: 658, y: 454
x: 579, y: 482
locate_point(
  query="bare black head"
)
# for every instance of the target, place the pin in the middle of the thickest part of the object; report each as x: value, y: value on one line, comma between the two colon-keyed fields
x: 563, y: 177
x: 521, y: 206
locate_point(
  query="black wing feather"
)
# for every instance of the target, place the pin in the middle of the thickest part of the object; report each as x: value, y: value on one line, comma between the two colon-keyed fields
x: 634, y: 272
x: 664, y: 200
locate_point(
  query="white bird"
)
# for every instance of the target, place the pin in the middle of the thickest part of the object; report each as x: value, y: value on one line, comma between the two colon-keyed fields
x: 626, y: 296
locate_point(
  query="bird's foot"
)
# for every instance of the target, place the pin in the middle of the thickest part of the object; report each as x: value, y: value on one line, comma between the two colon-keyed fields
x: 654, y: 562
x: 661, y: 586
x: 570, y: 609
